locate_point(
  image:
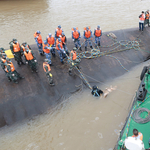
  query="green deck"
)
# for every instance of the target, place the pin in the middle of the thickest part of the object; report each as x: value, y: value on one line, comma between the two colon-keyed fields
x: 131, y: 124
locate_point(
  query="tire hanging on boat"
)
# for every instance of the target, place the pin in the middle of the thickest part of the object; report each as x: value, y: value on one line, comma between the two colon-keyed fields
x: 143, y: 72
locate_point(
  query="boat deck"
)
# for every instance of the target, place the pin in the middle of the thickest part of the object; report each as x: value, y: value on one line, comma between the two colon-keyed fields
x: 141, y: 127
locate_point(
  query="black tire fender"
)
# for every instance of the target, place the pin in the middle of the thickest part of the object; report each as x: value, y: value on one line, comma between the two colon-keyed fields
x: 145, y: 68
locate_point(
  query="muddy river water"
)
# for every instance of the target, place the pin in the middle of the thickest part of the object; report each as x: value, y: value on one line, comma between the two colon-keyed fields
x: 81, y: 122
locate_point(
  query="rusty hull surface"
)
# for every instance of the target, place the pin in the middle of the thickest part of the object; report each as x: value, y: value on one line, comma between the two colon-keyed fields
x: 33, y: 95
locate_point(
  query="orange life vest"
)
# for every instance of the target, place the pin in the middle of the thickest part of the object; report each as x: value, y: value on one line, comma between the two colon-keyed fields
x: 142, y: 17
x: 58, y: 32
x: 74, y: 57
x: 16, y: 47
x: 45, y: 50
x: 39, y: 37
x: 87, y: 33
x: 46, y: 64
x: 3, y: 60
x: 11, y: 66
x: 50, y: 40
x: 147, y: 16
x: 76, y: 34
x: 97, y: 33
x: 28, y: 55
x: 63, y: 39
x: 140, y: 136
x: 57, y: 42
x: 24, y: 47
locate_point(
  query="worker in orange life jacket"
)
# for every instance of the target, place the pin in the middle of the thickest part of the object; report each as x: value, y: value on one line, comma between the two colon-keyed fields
x: 64, y: 42
x: 12, y: 74
x: 141, y: 21
x: 2, y: 60
x: 60, y: 50
x: 38, y: 40
x: 51, y: 40
x: 30, y: 59
x: 16, y: 50
x: 76, y: 37
x: 2, y: 50
x: 137, y: 134
x: 88, y: 37
x: 98, y: 34
x: 47, y: 51
x: 74, y: 61
x: 47, y: 70
x: 147, y: 18
x: 58, y: 31
x: 24, y: 45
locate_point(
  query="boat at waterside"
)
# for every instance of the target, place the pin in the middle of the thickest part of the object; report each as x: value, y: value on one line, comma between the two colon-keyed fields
x: 138, y: 118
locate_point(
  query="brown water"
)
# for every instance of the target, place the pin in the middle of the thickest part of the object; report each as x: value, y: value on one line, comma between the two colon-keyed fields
x: 81, y: 122
x: 21, y: 18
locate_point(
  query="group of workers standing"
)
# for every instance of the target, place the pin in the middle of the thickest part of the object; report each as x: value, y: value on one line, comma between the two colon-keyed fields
x: 59, y: 43
x: 47, y: 48
x: 143, y: 20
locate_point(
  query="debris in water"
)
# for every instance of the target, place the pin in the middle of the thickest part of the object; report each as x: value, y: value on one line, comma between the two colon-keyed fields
x: 100, y: 135
x: 97, y: 118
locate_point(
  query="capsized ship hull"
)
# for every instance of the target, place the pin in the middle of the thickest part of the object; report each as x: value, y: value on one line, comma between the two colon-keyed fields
x: 33, y: 95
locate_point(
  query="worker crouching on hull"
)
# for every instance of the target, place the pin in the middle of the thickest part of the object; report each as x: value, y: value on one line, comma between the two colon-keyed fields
x: 47, y: 71
x: 73, y: 60
x: 12, y: 74
x: 30, y: 60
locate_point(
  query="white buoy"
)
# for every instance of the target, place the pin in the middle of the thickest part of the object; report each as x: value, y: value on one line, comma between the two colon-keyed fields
x: 132, y: 143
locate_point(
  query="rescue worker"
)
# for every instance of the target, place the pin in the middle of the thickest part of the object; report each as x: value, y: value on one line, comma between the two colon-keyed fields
x: 38, y: 40
x: 87, y: 37
x: 98, y: 34
x: 30, y: 59
x: 58, y: 31
x: 47, y: 52
x: 141, y: 21
x: 146, y: 18
x: 60, y: 50
x: 96, y: 92
x: 2, y: 60
x: 73, y: 60
x: 51, y: 42
x: 137, y: 134
x: 64, y: 42
x: 47, y: 71
x: 12, y: 74
x: 16, y: 50
x: 76, y: 37
x: 24, y: 45
x: 2, y: 50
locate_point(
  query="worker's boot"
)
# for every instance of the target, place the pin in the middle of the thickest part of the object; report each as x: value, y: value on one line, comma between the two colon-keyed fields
x: 52, y: 84
x: 99, y: 44
x: 91, y: 47
x: 70, y: 73
x: 85, y: 48
x: 78, y: 67
x: 80, y: 49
